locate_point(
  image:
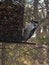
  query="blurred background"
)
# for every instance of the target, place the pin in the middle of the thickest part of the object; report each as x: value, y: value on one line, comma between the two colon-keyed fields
x: 28, y: 54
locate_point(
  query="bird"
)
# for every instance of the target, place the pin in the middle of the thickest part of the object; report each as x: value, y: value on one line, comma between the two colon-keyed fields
x: 29, y: 30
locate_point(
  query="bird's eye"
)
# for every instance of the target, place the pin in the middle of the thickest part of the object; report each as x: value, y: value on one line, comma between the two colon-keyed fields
x: 35, y: 25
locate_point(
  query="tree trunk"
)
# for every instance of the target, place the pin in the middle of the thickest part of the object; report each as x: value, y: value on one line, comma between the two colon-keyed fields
x: 36, y: 9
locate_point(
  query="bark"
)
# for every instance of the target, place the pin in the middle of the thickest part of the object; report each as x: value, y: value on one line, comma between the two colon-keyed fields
x: 36, y: 9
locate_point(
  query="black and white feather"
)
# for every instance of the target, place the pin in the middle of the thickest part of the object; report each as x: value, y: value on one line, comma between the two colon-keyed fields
x: 29, y: 30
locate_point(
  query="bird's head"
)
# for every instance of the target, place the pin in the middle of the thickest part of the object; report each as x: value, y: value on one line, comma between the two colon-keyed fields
x: 35, y: 23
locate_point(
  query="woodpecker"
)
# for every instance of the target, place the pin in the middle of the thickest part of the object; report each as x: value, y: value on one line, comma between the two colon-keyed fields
x: 30, y: 29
